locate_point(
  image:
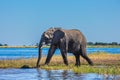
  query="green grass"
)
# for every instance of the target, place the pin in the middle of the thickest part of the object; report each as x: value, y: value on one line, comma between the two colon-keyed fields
x: 103, y: 64
x: 86, y: 68
x: 97, y: 69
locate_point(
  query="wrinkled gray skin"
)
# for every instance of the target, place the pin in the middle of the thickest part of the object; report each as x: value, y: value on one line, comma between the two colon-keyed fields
x: 68, y: 41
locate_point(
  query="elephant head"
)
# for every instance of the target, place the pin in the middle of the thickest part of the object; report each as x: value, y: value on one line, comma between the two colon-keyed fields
x: 46, y: 39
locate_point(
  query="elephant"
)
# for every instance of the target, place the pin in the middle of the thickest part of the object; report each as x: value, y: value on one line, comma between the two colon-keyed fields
x: 68, y: 41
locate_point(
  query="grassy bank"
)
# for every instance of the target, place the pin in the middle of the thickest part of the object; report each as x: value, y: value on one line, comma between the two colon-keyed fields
x: 103, y: 63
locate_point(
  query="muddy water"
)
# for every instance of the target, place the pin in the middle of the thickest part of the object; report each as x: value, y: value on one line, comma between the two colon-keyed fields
x: 40, y: 74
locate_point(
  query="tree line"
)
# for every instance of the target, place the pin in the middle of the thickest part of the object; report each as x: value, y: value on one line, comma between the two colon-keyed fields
x: 102, y: 43
x: 3, y: 44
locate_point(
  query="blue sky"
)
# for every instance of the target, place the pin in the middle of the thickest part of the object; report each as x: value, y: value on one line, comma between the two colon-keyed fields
x: 23, y: 21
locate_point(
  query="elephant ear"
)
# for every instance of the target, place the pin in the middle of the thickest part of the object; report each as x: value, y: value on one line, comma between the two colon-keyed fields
x: 58, y: 34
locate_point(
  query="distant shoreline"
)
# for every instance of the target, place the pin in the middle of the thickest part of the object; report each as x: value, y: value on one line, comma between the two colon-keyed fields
x: 18, y: 46
x: 22, y: 46
x: 88, y: 46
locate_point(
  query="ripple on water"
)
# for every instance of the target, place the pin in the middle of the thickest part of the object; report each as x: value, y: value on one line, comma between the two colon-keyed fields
x: 40, y: 74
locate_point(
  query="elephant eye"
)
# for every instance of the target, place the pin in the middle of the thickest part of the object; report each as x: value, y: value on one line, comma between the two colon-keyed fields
x: 46, y: 38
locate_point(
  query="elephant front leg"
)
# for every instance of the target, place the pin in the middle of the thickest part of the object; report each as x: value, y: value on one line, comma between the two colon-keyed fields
x: 50, y: 54
x: 64, y: 50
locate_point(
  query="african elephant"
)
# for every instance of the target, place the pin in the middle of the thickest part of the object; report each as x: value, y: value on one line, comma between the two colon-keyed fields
x: 71, y: 41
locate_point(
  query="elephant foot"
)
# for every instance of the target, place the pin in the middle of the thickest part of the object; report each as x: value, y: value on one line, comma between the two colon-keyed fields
x: 91, y: 64
x: 77, y: 65
x: 66, y: 64
x: 46, y: 64
x: 37, y: 66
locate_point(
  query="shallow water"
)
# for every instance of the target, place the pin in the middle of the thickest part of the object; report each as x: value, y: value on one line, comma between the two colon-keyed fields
x: 40, y: 74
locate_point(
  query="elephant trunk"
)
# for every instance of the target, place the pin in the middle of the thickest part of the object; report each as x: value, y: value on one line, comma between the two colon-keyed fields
x: 40, y: 53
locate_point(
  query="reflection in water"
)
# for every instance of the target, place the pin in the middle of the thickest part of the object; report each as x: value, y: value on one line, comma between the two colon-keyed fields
x: 40, y: 74
x: 69, y: 75
x: 54, y: 74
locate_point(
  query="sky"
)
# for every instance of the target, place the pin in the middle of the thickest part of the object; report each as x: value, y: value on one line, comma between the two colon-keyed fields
x: 23, y: 21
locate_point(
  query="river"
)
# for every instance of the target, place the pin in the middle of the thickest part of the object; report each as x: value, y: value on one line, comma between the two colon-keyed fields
x: 16, y: 53
x: 40, y: 74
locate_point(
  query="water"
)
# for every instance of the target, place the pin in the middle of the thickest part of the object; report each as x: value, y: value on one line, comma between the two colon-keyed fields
x: 17, y: 53
x: 40, y: 74
x: 108, y: 50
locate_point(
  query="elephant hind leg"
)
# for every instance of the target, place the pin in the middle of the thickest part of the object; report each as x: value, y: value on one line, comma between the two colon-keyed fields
x: 84, y: 55
x: 77, y: 56
x: 87, y: 59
